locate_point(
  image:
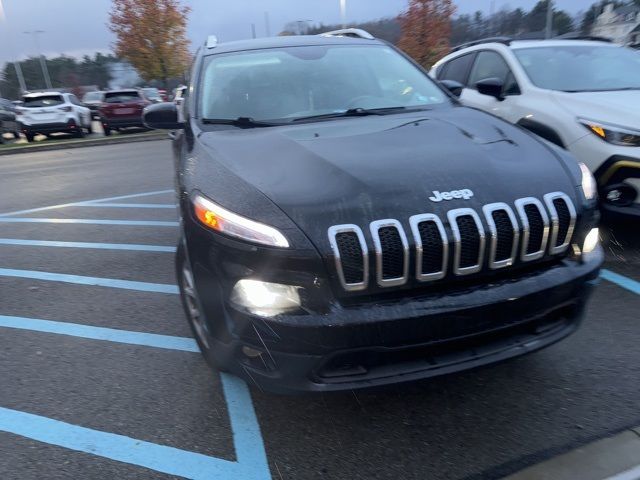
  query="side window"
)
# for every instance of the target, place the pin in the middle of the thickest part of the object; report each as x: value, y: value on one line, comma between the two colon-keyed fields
x: 457, y: 69
x: 492, y: 65
x: 73, y: 99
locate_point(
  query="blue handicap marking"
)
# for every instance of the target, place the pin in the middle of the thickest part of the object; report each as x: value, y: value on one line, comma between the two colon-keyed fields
x: 620, y: 280
x: 251, y: 461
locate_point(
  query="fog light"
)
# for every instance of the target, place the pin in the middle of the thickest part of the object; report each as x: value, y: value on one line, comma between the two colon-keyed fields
x: 264, y: 298
x: 591, y: 241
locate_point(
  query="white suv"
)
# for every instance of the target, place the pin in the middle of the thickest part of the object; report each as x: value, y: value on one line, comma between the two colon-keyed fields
x: 582, y: 95
x: 53, y: 112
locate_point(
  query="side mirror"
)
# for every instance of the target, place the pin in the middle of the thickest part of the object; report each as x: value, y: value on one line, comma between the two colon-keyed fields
x: 162, y: 116
x: 492, y: 87
x: 454, y: 87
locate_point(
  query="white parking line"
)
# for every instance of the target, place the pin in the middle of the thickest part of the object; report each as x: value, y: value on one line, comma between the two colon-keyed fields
x: 89, y: 221
x: 99, y: 246
x: 63, y: 205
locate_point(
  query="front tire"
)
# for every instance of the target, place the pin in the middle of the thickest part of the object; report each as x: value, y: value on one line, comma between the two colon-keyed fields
x: 107, y: 129
x: 193, y: 307
x: 79, y: 133
x: 30, y: 137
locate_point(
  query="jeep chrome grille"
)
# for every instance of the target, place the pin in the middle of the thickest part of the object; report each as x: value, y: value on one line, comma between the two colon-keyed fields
x: 497, y: 237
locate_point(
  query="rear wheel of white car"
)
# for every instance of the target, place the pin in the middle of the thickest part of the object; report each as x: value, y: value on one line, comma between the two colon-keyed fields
x: 79, y: 133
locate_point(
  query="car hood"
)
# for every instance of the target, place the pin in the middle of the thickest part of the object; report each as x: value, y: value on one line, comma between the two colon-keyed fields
x: 618, y: 108
x: 354, y: 171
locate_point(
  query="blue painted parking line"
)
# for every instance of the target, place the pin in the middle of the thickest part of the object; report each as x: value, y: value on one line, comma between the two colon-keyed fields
x: 100, y: 333
x: 160, y: 458
x: 95, y: 281
x: 90, y: 245
x: 127, y: 205
x: 63, y: 205
x: 622, y: 281
x: 251, y: 459
x: 87, y: 221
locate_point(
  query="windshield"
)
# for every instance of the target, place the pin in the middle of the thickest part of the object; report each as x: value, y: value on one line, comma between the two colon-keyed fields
x: 43, y: 101
x: 151, y: 92
x: 92, y: 96
x: 581, y: 68
x: 121, y: 97
x: 289, y: 83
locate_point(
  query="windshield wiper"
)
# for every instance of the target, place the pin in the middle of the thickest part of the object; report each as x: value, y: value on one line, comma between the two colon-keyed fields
x: 358, y: 112
x: 243, y: 122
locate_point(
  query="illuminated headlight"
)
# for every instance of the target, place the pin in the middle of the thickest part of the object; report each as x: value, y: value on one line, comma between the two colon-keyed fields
x: 222, y: 220
x: 589, y: 186
x: 591, y: 241
x: 626, y: 137
x: 264, y: 298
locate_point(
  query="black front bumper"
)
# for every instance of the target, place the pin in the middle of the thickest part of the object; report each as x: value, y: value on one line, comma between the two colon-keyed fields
x: 413, y: 338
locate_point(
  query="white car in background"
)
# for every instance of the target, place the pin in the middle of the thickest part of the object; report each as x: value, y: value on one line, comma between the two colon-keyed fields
x: 583, y: 95
x: 53, y: 112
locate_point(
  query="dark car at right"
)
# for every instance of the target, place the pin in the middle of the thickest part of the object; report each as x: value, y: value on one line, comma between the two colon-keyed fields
x: 347, y: 223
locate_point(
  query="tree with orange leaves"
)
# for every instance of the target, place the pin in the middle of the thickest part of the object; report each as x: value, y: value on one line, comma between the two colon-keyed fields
x: 426, y: 30
x: 152, y: 36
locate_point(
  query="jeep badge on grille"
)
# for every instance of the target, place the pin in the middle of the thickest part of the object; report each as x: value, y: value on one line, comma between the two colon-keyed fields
x: 465, y: 194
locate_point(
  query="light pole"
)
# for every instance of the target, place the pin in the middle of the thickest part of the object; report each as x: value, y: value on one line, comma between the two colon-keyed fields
x: 43, y: 61
x: 16, y: 64
x: 549, y: 29
x: 343, y: 13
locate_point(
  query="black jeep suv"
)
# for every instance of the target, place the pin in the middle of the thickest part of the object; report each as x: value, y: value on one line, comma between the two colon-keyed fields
x: 346, y: 223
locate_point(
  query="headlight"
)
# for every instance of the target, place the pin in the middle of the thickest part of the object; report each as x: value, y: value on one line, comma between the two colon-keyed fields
x: 229, y: 223
x: 264, y: 298
x: 626, y: 137
x: 591, y: 241
x: 589, y: 186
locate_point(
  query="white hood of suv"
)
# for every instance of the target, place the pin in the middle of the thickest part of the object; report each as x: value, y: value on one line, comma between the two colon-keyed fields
x: 617, y: 107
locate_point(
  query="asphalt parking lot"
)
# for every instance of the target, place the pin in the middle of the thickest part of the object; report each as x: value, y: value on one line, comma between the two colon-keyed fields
x: 100, y: 378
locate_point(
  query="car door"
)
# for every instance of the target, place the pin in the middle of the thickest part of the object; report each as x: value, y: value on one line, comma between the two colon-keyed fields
x: 491, y: 64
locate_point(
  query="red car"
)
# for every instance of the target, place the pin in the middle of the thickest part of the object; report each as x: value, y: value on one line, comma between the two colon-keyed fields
x: 122, y: 109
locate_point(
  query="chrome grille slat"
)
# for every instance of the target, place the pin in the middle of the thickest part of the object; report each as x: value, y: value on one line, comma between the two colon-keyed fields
x: 524, y: 219
x: 549, y: 200
x: 488, y: 211
x: 415, y: 222
x: 348, y: 228
x: 453, y: 216
x: 375, y: 228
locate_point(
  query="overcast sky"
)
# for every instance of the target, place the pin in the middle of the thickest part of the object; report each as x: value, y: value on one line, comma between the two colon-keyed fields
x: 75, y: 27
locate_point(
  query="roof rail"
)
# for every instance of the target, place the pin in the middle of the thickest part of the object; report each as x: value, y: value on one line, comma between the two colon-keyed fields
x: 212, y: 41
x: 503, y: 40
x: 349, y: 32
x: 592, y: 38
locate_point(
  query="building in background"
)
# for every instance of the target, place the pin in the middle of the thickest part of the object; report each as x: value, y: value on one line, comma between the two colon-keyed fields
x: 621, y: 25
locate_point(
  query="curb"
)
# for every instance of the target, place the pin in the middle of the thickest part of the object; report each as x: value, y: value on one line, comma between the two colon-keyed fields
x: 613, y: 458
x: 63, y: 145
